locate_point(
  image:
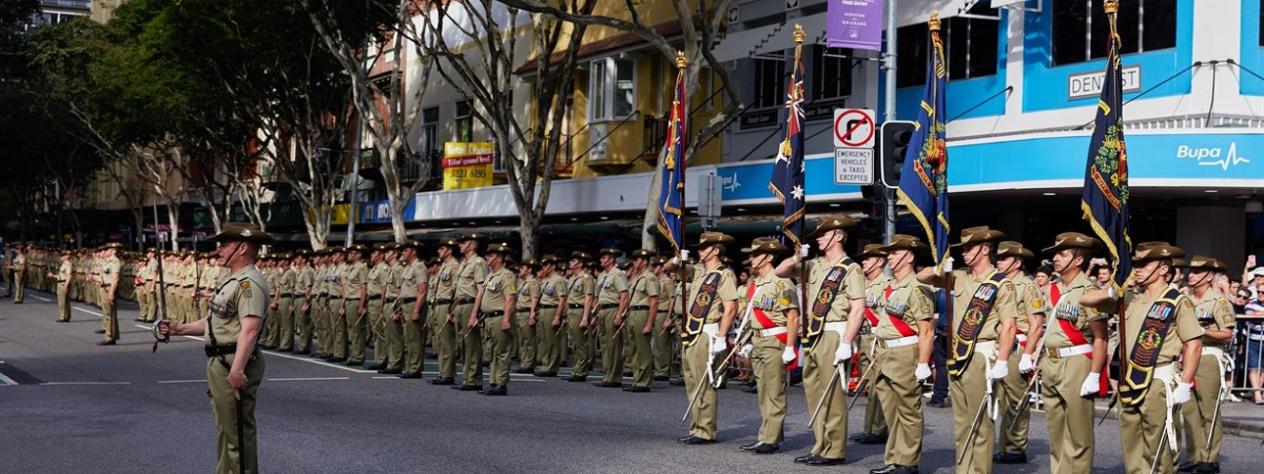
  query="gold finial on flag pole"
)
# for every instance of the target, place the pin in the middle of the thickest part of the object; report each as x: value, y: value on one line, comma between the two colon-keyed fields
x: 1111, y: 6
x: 934, y: 20
x: 799, y: 35
x: 681, y: 62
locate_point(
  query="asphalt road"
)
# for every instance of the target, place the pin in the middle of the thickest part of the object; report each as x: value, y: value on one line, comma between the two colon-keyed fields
x: 79, y: 407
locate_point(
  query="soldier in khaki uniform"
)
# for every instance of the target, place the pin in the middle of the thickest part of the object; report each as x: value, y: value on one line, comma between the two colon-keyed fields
x: 550, y: 316
x: 665, y: 332
x: 982, y: 337
x: 836, y: 287
x: 442, y: 312
x: 149, y: 285
x: 304, y: 300
x: 110, y: 279
x: 1032, y: 305
x: 712, y: 304
x: 581, y: 301
x: 496, y: 301
x: 414, y: 282
x: 63, y: 276
x: 1203, y: 427
x: 774, y: 324
x: 287, y: 280
x: 638, y: 325
x: 612, y: 304
x: 234, y: 367
x: 873, y: 262
x: 19, y: 274
x: 336, y: 350
x: 320, y: 302
x: 1152, y: 387
x: 470, y: 275
x: 391, y: 324
x: 355, y: 306
x: 379, y: 279
x: 526, y: 317
x: 905, y: 334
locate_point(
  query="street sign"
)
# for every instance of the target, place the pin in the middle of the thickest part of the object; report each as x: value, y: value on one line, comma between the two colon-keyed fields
x: 853, y: 166
x: 854, y: 128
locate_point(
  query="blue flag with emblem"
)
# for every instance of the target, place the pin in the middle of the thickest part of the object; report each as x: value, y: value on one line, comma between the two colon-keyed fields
x: 787, y: 170
x: 672, y: 196
x: 924, y: 178
x: 1105, y: 200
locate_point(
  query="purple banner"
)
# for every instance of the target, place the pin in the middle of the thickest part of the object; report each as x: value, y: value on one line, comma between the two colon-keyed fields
x: 854, y: 24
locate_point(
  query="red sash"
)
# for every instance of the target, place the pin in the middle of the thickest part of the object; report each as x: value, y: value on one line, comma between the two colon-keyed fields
x: 1077, y: 338
x: 768, y: 323
x: 900, y: 326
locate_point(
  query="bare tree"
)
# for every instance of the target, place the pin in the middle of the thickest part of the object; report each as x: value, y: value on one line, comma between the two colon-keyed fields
x: 528, y: 144
x: 699, y: 35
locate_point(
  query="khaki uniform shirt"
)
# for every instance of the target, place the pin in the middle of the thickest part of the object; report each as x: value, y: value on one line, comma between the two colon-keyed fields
x: 445, y: 281
x: 240, y: 295
x: 610, y: 284
x: 1069, y: 309
x: 305, y: 282
x: 471, y: 272
x: 1031, y: 301
x: 65, y: 272
x: 910, y: 301
x: 727, y: 291
x: 1004, y: 304
x: 1183, y: 329
x: 773, y: 296
x: 390, y: 281
x: 378, y: 279
x: 552, y: 290
x: 853, y: 286
x: 643, y: 287
x: 497, y: 287
x: 874, y: 291
x: 528, y: 289
x: 355, y: 277
x: 1214, y: 312
x: 410, y: 276
x: 581, y: 286
x: 110, y: 272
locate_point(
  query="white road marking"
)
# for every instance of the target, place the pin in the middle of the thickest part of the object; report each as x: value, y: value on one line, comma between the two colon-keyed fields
x: 86, y: 383
x: 317, y: 362
x: 306, y: 379
x: 94, y: 313
x: 41, y: 298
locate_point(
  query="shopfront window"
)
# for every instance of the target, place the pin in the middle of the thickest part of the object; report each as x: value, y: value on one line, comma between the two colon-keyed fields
x: 1080, y: 28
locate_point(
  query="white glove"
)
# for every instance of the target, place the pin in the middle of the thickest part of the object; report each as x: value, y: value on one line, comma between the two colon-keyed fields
x: 922, y: 372
x: 1000, y: 370
x: 842, y: 354
x: 1026, y: 365
x: 746, y: 350
x: 1090, y: 385
x: 1180, y: 394
x: 787, y: 356
x: 1111, y: 292
x: 717, y: 345
x: 684, y: 255
x: 803, y: 250
x: 948, y: 265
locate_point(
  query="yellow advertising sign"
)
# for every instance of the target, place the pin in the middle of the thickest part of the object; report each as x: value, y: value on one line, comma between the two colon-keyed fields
x: 467, y: 165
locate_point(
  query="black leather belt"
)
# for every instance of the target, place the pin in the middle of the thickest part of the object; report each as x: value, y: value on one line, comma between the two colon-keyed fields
x: 335, y: 297
x: 465, y: 301
x: 640, y: 308
x: 442, y: 302
x: 375, y: 297
x: 215, y: 351
x: 548, y: 306
x: 287, y: 295
x: 576, y: 306
x: 408, y: 300
x: 609, y: 305
x: 493, y: 314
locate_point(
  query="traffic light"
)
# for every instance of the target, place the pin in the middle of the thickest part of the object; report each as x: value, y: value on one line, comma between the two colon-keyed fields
x: 893, y: 147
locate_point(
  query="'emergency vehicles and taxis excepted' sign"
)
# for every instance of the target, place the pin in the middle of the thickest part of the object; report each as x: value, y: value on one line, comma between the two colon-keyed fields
x: 467, y: 165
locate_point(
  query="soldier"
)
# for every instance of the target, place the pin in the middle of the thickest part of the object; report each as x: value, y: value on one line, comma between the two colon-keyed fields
x: 549, y: 318
x: 19, y: 274
x: 391, y: 344
x: 320, y: 302
x: 773, y: 319
x: 442, y: 312
x: 1032, y: 305
x: 304, y: 299
x: 982, y: 337
x: 336, y: 351
x: 414, y: 282
x: 235, y: 367
x: 873, y: 262
x: 495, y: 302
x: 581, y: 301
x: 837, y: 291
x: 612, y: 304
x: 527, y: 318
x: 6, y: 272
x: 665, y: 333
x: 110, y: 279
x: 712, y: 300
x: 905, y: 334
x: 355, y: 308
x: 470, y: 276
x: 1203, y: 425
x: 377, y: 281
x: 147, y: 289
x: 63, y: 276
x: 643, y: 303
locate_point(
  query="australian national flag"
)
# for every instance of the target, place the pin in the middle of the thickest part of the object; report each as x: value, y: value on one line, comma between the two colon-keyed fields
x: 672, y: 196
x: 1105, y: 201
x: 787, y: 170
x: 924, y: 178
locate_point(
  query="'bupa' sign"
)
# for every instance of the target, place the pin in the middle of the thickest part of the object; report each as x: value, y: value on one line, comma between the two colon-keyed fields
x: 1080, y: 86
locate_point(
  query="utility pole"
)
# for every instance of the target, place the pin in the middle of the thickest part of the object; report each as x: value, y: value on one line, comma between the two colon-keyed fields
x: 888, y: 195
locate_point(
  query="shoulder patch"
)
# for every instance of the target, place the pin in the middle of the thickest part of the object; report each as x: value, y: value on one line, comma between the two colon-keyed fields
x: 245, y: 285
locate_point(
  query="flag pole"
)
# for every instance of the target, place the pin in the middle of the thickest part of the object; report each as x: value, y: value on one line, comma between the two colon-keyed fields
x: 681, y: 273
x: 1111, y: 7
x: 799, y: 38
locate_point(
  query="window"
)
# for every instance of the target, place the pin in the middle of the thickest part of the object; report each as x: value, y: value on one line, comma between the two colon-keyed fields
x: 970, y: 46
x: 431, y: 148
x: 1080, y: 28
x: 770, y: 83
x: 911, y: 45
x: 464, y: 121
x: 611, y: 89
x: 831, y: 74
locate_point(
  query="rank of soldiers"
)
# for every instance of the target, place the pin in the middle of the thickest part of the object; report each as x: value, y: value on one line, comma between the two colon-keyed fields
x: 872, y: 314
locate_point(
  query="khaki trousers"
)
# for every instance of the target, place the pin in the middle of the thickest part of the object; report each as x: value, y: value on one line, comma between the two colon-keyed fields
x: 303, y: 322
x: 379, y: 315
x: 967, y: 393
x: 443, y: 333
x: 224, y: 408
x: 611, y: 347
x: 285, y: 327
x: 63, y: 302
x: 639, y: 352
x: 697, y: 357
x: 875, y: 423
x: 472, y: 345
x: 338, y: 316
x: 357, y: 330
x: 548, y: 348
x: 1200, y: 409
x: 1010, y: 393
x: 1070, y: 415
x: 502, y: 342
x: 770, y: 381
x: 581, y: 353
x: 1142, y: 427
x: 524, y: 338
x: 830, y: 427
x: 901, y: 399
x: 109, y: 311
x: 394, y: 332
x: 414, y: 338
x: 664, y: 350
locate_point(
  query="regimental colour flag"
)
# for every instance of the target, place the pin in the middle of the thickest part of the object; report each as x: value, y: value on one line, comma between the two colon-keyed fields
x: 787, y: 170
x: 672, y: 196
x: 1105, y: 201
x: 924, y: 178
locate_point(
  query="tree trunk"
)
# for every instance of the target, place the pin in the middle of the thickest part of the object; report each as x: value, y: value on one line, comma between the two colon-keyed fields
x: 173, y: 218
x: 526, y: 231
